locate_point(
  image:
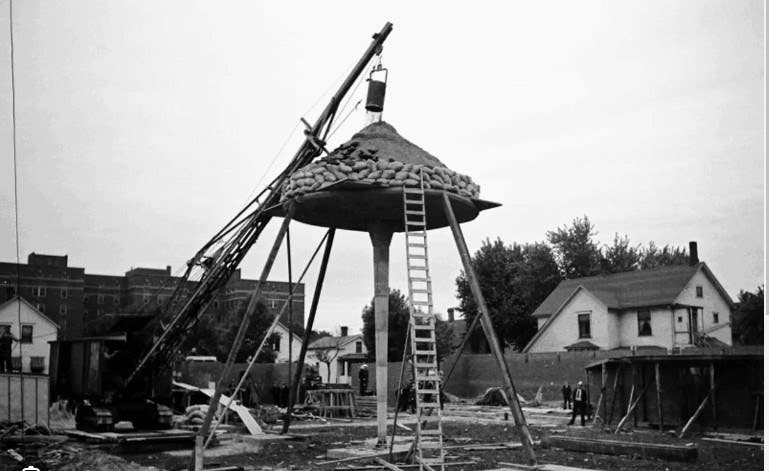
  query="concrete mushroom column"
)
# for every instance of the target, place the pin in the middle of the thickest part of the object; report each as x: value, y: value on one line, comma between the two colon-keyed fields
x: 381, y: 236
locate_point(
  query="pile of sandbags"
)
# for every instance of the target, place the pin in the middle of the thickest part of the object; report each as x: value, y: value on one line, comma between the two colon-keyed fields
x: 345, y: 164
x: 195, y: 415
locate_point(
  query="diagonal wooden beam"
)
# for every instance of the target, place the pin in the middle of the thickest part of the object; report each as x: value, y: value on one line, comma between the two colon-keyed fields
x: 488, y: 329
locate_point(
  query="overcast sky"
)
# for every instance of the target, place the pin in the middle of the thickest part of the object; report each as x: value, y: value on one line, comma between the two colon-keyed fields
x: 143, y: 126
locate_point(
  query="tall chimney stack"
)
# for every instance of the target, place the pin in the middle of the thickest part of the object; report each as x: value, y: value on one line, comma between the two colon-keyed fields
x: 343, y: 330
x: 450, y: 312
x: 694, y: 258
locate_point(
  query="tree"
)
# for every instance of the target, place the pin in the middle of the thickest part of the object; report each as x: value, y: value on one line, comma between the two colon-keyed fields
x: 652, y: 257
x: 326, y: 356
x: 215, y: 332
x: 748, y: 328
x: 397, y: 326
x: 620, y: 256
x: 317, y: 334
x: 398, y: 321
x: 514, y: 280
x: 575, y: 250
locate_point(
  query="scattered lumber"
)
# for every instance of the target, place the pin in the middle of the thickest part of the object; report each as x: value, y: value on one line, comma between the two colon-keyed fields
x: 617, y: 447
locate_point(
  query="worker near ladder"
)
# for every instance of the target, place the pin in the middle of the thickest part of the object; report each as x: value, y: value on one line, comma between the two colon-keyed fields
x: 579, y: 404
x: 363, y: 379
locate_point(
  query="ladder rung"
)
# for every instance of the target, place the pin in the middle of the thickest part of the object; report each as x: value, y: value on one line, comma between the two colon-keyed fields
x: 417, y: 246
x: 416, y: 213
x: 422, y: 327
x: 431, y: 432
x: 429, y: 405
x: 419, y: 279
x: 426, y: 365
x: 428, y: 378
x: 420, y: 291
x: 422, y: 303
x: 412, y: 191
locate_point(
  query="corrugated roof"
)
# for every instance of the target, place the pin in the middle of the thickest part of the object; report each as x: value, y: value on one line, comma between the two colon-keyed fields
x: 653, y: 287
x: 333, y: 342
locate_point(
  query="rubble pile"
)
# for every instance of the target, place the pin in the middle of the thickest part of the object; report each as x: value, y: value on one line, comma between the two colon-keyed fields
x: 73, y: 458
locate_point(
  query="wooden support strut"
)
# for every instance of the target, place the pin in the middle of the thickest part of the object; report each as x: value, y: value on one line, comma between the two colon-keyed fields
x: 244, y: 323
x: 488, y: 328
x: 695, y: 415
x: 631, y: 407
x: 600, y: 397
x: 293, y: 392
x: 613, y: 394
x: 658, y: 386
x: 713, y: 403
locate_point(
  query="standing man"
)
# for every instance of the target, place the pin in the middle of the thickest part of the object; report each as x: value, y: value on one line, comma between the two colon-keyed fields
x: 566, y: 392
x: 363, y: 379
x: 579, y: 404
x: 6, y: 345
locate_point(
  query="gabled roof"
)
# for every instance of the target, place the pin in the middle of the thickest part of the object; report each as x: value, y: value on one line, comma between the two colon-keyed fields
x: 29, y: 305
x: 653, y: 287
x: 333, y: 342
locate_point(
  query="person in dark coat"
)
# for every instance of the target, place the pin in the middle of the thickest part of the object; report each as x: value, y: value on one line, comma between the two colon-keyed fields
x: 566, y: 392
x: 6, y: 346
x: 579, y: 404
x: 363, y: 379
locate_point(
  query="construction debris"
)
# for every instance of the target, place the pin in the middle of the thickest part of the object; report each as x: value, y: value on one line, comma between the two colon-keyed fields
x: 495, y: 396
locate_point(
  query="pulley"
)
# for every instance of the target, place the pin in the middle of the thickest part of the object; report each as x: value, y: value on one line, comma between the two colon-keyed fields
x: 377, y: 84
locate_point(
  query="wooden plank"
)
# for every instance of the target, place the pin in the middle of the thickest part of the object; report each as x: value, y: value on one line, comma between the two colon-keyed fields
x: 616, y: 447
x: 387, y: 465
x: 733, y: 442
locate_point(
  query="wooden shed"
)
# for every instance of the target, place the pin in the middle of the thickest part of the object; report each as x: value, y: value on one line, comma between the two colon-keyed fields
x: 679, y: 391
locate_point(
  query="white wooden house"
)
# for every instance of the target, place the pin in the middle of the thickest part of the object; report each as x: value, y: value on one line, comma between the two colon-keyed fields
x: 35, y: 333
x: 666, y: 307
x: 337, y: 354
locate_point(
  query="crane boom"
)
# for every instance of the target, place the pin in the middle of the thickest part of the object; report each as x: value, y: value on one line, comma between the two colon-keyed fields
x: 244, y: 230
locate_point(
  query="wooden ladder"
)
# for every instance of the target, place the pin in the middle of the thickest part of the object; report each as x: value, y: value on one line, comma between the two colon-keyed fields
x: 427, y: 381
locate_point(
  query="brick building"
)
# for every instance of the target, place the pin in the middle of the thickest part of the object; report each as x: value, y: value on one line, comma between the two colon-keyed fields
x: 73, y: 298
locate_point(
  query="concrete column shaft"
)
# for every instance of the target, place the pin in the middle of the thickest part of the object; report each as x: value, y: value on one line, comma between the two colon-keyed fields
x: 380, y: 240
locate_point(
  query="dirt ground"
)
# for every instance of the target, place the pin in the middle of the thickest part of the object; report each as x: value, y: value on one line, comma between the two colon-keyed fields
x: 307, y: 452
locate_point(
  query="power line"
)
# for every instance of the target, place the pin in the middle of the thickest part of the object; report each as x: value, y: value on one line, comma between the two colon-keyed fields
x: 16, y: 199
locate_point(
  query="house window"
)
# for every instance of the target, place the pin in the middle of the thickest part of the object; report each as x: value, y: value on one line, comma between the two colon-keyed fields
x: 64, y: 293
x: 699, y: 291
x: 146, y: 300
x: 4, y: 327
x: 63, y: 309
x: 116, y: 299
x: 38, y: 291
x: 276, y: 344
x: 715, y: 318
x: 40, y: 307
x: 37, y: 364
x: 583, y: 320
x: 644, y: 322
x: 100, y: 299
x: 273, y: 303
x: 680, y: 319
x: 26, y: 333
x: 358, y: 347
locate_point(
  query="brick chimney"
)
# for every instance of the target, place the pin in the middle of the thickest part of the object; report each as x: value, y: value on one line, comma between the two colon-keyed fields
x: 450, y: 312
x: 694, y: 258
x: 343, y: 331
